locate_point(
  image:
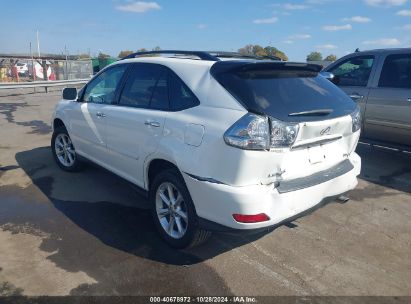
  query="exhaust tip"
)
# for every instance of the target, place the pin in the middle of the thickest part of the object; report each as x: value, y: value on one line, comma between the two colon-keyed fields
x: 342, y: 199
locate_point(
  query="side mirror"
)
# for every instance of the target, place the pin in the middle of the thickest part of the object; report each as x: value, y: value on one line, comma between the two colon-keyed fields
x: 70, y: 93
x: 328, y: 75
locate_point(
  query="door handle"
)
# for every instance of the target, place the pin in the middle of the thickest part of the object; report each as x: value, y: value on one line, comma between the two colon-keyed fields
x: 356, y: 96
x: 152, y: 123
x: 99, y: 114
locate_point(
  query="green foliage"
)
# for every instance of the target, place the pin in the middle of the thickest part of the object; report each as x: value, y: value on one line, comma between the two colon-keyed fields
x: 103, y: 56
x: 258, y: 50
x: 331, y: 57
x: 247, y: 50
x: 272, y: 51
x: 83, y: 56
x: 125, y: 53
x: 314, y: 56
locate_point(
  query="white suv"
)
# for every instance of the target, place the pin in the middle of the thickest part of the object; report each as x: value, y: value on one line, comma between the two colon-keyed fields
x: 216, y: 143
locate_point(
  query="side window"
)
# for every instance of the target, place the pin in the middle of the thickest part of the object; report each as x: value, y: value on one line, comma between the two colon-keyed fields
x: 103, y: 88
x: 160, y: 100
x: 396, y: 72
x: 181, y: 96
x: 141, y: 84
x: 353, y: 72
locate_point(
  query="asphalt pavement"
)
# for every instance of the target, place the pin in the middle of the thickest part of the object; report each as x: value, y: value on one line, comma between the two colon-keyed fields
x: 89, y: 233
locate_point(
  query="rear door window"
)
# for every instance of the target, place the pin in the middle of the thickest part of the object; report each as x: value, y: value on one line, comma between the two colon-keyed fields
x: 156, y: 87
x: 353, y: 72
x: 140, y: 85
x: 396, y: 72
x: 159, y: 99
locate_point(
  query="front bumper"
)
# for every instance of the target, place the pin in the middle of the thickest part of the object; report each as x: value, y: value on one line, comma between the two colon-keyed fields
x: 218, y: 202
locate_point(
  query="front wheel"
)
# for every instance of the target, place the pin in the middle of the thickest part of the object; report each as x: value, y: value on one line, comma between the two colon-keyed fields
x: 63, y: 150
x: 173, y: 211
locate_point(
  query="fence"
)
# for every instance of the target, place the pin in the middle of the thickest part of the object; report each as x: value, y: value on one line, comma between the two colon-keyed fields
x: 41, y: 84
x: 29, y: 70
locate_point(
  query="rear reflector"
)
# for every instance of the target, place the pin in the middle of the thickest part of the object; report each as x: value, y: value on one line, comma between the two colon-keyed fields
x: 256, y: 218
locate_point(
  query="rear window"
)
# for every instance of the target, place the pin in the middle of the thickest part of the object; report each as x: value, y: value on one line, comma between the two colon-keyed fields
x: 281, y: 92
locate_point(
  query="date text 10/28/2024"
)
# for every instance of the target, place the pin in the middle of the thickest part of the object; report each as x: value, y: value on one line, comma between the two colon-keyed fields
x: 203, y: 299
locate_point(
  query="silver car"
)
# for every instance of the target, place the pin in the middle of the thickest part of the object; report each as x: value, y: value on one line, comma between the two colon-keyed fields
x: 380, y: 82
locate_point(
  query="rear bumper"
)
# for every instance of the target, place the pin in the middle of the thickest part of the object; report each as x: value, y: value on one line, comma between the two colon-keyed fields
x: 216, y: 203
x: 215, y: 227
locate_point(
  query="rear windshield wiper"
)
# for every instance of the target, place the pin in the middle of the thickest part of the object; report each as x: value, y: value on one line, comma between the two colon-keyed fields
x: 318, y: 112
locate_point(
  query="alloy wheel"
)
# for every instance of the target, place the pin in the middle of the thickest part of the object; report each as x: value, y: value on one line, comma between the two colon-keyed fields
x: 64, y: 150
x: 171, y: 210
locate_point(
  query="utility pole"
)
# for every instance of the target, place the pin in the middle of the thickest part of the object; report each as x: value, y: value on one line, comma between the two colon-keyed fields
x: 33, y: 71
x: 38, y: 44
x: 66, y: 69
x: 32, y: 61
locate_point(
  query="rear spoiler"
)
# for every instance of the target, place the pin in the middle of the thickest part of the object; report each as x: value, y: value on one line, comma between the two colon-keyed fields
x: 243, y: 66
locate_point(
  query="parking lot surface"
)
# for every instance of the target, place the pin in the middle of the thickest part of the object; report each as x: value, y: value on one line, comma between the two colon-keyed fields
x: 89, y: 233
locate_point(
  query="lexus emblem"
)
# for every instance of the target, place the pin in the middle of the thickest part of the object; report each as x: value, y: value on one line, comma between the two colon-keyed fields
x: 325, y: 131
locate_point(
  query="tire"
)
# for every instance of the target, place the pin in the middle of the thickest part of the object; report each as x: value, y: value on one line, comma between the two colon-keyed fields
x: 64, y: 152
x: 187, y: 233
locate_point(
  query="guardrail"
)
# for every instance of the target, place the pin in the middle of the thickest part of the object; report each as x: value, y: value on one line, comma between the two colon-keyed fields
x: 42, y: 84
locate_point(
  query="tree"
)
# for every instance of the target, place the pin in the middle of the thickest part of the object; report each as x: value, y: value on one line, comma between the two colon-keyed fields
x: 142, y: 50
x: 83, y: 56
x: 258, y: 50
x: 125, y: 53
x: 103, y: 56
x: 314, y: 56
x: 247, y: 50
x: 272, y: 51
x: 157, y: 48
x: 331, y: 57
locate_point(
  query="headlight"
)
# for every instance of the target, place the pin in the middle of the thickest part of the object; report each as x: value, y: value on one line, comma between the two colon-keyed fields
x: 283, y: 135
x: 356, y: 119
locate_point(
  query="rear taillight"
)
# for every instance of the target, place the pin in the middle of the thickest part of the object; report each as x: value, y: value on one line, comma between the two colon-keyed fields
x: 250, y: 132
x: 255, y: 132
x: 255, y: 218
x: 283, y: 134
x: 356, y: 119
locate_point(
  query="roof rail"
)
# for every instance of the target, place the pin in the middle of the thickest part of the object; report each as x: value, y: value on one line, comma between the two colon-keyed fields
x: 209, y: 56
x: 199, y: 54
x: 246, y: 56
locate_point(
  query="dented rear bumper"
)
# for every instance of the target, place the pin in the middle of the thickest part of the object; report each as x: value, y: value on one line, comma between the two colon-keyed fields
x: 218, y: 202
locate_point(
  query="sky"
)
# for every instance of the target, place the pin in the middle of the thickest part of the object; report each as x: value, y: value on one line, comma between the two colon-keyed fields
x: 296, y: 27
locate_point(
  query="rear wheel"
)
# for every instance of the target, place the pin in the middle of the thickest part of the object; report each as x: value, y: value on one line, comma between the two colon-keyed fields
x: 173, y: 211
x: 63, y: 150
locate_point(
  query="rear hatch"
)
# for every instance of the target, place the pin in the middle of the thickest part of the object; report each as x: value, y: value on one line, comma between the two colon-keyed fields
x: 290, y: 92
x: 295, y: 94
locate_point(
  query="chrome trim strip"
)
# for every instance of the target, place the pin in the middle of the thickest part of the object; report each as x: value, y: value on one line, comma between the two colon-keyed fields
x: 205, y: 179
x: 308, y: 143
